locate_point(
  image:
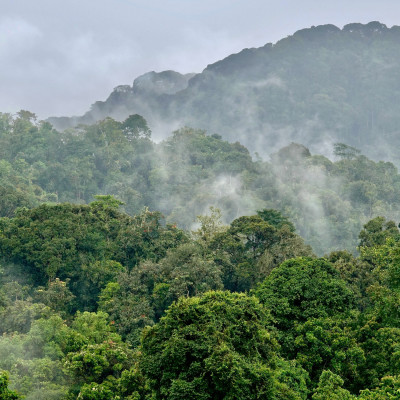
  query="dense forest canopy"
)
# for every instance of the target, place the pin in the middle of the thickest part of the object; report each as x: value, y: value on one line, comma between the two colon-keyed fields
x: 97, y: 304
x: 193, y: 268
x: 182, y: 176
x: 111, y: 288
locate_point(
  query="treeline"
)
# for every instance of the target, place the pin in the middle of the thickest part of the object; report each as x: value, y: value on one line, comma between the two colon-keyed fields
x: 97, y: 304
x: 183, y: 175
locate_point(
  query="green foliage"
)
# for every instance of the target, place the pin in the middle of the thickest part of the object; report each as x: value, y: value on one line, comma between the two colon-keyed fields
x: 345, y: 151
x: 53, y: 358
x: 304, y: 288
x: 186, y: 173
x: 141, y: 296
x: 356, y: 272
x: 210, y: 225
x: 34, y: 359
x: 93, y: 327
x: 104, y: 201
x: 276, y: 219
x: 133, y: 385
x: 376, y: 231
x: 85, y: 244
x: 389, y: 388
x: 11, y: 199
x: 329, y: 388
x: 200, y: 345
x: 18, y: 315
x: 96, y: 362
x: 140, y: 272
x: 301, y: 289
x: 96, y: 391
x: 214, y: 346
x: 327, y: 343
x: 250, y: 248
x: 384, y: 292
x: 381, y: 346
x: 293, y: 154
x: 292, y: 381
x: 5, y: 393
x: 135, y: 127
x: 57, y: 296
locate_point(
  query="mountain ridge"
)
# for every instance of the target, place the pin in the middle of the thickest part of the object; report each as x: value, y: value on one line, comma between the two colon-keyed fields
x: 319, y: 86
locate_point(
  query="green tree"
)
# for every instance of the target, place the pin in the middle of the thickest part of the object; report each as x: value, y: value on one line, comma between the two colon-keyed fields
x: 276, y: 219
x: 141, y: 297
x: 134, y: 127
x: 251, y: 247
x: 88, y: 244
x: 345, y: 151
x: 104, y: 201
x: 376, y: 231
x: 57, y: 296
x: 300, y: 289
x: 356, y: 272
x: 389, y: 388
x: 384, y: 292
x: 381, y: 346
x: 210, y: 225
x: 330, y: 388
x: 5, y: 393
x: 331, y: 343
x: 215, y: 346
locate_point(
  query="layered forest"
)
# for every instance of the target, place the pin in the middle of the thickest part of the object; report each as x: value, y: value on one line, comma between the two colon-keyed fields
x: 319, y: 86
x: 188, y: 269
x: 328, y: 201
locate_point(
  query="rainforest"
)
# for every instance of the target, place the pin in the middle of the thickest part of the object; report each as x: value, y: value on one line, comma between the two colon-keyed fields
x: 192, y: 269
x: 226, y: 232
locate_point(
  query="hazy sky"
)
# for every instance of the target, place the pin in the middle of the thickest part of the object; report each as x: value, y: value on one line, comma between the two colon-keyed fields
x: 59, y: 56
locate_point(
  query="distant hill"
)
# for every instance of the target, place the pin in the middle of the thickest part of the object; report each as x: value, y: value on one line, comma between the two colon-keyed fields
x: 145, y: 96
x: 319, y: 86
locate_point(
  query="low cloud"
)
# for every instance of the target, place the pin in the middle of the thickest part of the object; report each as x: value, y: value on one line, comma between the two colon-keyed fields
x: 60, y: 57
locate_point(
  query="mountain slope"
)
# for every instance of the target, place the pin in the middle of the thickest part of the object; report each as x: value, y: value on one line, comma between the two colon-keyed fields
x: 319, y: 86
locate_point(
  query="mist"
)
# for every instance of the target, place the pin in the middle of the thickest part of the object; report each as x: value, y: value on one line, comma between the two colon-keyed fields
x: 57, y: 58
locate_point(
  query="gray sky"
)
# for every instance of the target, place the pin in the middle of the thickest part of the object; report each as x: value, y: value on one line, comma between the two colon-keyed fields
x: 59, y: 56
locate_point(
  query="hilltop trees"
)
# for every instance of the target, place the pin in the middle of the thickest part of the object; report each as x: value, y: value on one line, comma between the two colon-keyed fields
x: 328, y: 202
x: 251, y: 247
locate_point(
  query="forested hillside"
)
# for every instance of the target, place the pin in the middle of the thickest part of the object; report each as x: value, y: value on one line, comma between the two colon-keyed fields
x: 182, y: 176
x: 320, y: 86
x: 96, y: 304
x: 227, y: 235
x: 193, y: 267
x: 111, y: 288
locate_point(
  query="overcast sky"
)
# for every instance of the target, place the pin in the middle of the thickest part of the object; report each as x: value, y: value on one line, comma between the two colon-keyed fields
x: 59, y: 56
